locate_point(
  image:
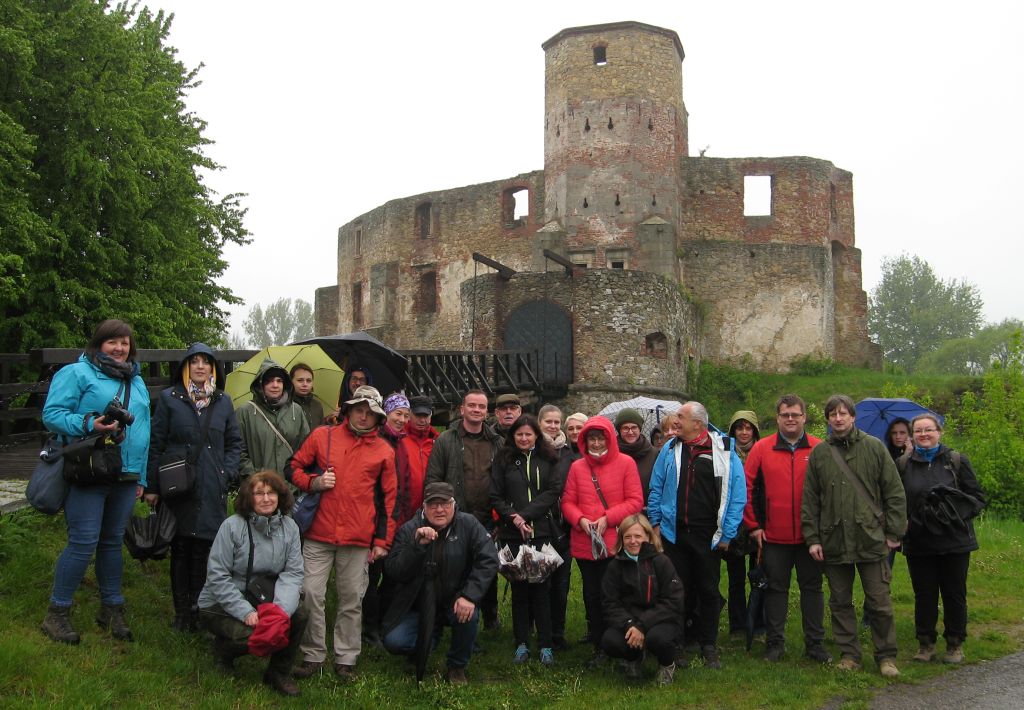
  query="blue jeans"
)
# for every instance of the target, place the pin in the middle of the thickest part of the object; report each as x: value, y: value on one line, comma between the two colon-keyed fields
x: 402, y: 639
x: 96, y: 517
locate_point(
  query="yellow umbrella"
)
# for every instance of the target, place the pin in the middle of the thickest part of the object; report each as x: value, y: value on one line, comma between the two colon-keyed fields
x: 327, y: 376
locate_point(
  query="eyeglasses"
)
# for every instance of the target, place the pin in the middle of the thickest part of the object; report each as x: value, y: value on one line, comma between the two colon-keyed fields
x: 790, y: 415
x: 925, y: 431
x: 438, y: 503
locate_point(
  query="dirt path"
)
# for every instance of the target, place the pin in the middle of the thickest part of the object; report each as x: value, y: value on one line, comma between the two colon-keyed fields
x: 989, y: 685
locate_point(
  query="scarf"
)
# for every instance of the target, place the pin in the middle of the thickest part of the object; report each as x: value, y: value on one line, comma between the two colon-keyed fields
x: 558, y: 442
x: 114, y: 369
x: 357, y: 431
x: 200, y: 396
x: 927, y: 454
x: 391, y: 433
x: 743, y: 450
x: 275, y: 403
x: 638, y: 448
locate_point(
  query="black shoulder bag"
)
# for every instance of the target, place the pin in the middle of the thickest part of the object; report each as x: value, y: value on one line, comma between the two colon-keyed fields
x: 259, y: 588
x: 95, y: 459
x: 176, y: 474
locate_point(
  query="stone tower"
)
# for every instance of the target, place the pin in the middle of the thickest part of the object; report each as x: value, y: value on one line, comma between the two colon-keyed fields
x: 614, y: 132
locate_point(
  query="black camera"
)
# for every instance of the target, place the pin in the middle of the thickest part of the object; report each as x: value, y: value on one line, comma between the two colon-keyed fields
x: 115, y: 412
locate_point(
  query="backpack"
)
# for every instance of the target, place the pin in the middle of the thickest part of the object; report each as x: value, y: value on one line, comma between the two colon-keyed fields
x: 952, y: 462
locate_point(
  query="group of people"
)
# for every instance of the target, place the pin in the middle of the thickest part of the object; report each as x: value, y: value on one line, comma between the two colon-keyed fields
x: 409, y: 520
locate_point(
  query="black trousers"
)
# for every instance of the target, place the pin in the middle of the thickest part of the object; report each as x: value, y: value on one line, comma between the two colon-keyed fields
x: 188, y: 571
x: 779, y: 561
x: 592, y: 572
x: 560, y: 587
x: 660, y: 641
x: 932, y: 576
x: 700, y: 569
x: 233, y: 636
x: 736, y: 569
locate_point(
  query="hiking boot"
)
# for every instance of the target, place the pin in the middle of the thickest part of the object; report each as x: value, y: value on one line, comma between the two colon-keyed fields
x: 666, y: 674
x: 111, y: 616
x: 887, y: 667
x: 307, y: 669
x: 633, y: 669
x: 547, y: 657
x: 954, y: 654
x: 711, y: 659
x: 925, y: 653
x: 224, y: 654
x: 282, y: 683
x: 816, y: 652
x: 774, y: 652
x: 848, y: 663
x: 456, y: 676
x: 57, y: 625
x: 597, y: 660
x: 682, y: 659
x: 371, y: 639
x: 558, y: 643
x: 345, y: 671
x: 522, y: 654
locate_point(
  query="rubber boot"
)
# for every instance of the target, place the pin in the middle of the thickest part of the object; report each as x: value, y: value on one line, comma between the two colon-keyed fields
x: 199, y: 554
x: 111, y: 616
x: 180, y: 589
x: 57, y: 625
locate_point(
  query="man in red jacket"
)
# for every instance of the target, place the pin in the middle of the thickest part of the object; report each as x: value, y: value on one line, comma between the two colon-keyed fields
x: 418, y: 443
x: 354, y: 471
x: 775, y: 482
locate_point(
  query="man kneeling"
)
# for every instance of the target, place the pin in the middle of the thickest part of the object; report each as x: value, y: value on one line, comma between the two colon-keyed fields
x: 453, y: 553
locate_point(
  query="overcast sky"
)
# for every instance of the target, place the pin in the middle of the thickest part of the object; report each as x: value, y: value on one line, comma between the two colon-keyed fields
x: 322, y: 111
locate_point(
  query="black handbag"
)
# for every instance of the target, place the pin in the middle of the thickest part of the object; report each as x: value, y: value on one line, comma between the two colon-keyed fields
x: 47, y: 488
x: 177, y: 474
x: 259, y: 588
x: 92, y: 460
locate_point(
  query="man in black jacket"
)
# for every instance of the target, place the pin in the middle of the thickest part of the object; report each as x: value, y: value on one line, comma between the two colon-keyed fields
x: 451, y: 551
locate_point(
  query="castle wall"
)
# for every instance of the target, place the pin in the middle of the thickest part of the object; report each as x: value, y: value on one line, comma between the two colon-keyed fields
x: 853, y: 346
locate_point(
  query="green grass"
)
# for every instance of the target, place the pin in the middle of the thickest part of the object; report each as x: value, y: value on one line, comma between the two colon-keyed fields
x: 172, y: 670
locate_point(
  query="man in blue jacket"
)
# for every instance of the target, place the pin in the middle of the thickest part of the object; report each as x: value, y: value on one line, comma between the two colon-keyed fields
x: 698, y: 492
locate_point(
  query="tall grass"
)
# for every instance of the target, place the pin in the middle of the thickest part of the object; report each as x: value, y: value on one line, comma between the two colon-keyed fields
x: 166, y: 669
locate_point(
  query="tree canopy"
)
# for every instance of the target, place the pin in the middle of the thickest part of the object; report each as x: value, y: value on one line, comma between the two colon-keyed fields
x: 103, y: 208
x: 281, y: 322
x: 912, y: 311
x: 975, y: 355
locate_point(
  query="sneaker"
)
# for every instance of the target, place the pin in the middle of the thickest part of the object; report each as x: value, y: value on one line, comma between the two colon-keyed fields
x: 307, y: 669
x: 711, y: 659
x: 887, y: 667
x: 774, y: 652
x: 522, y: 654
x: 547, y: 657
x: 345, y: 671
x: 954, y: 654
x: 666, y: 674
x: 456, y: 676
x: 281, y: 683
x: 848, y: 663
x: 925, y: 653
x: 634, y: 670
x: 816, y: 652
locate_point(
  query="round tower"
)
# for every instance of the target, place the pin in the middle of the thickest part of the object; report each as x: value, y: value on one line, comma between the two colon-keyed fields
x: 614, y: 133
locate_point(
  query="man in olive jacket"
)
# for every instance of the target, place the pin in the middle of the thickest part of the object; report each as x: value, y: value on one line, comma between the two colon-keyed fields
x: 842, y: 530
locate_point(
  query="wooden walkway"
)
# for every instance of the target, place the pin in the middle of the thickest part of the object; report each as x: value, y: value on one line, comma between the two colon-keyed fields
x: 17, y: 462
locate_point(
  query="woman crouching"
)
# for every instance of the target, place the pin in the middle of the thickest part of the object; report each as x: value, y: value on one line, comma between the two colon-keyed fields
x: 257, y: 554
x: 643, y: 601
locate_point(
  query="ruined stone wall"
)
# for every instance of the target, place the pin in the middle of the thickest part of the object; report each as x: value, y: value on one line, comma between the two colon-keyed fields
x: 853, y: 346
x: 765, y: 304
x: 633, y: 332
x: 812, y: 201
x: 391, y: 251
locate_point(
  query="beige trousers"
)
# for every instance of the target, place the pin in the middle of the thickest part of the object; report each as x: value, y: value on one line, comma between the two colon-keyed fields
x: 350, y: 579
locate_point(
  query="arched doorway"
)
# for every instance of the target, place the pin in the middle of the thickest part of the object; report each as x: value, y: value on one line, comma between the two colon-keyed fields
x: 544, y: 328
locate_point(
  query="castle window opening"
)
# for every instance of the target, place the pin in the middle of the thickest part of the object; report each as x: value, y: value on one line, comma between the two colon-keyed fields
x: 600, y: 55
x: 426, y: 299
x: 359, y: 242
x: 424, y: 221
x: 515, y: 207
x: 357, y: 306
x: 584, y: 259
x: 656, y: 345
x: 617, y: 258
x: 757, y: 195
x: 833, y: 213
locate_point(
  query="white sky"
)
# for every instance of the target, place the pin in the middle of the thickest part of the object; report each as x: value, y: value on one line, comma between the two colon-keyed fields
x: 322, y: 111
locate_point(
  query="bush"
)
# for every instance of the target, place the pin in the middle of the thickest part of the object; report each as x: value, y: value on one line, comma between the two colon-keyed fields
x: 811, y: 366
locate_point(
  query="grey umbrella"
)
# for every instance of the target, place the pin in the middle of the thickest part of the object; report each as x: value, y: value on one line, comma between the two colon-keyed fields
x: 428, y: 611
x: 386, y: 365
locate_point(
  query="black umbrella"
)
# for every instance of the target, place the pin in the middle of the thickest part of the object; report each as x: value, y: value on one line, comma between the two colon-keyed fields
x: 755, y: 605
x: 150, y: 538
x: 386, y: 365
x: 428, y: 610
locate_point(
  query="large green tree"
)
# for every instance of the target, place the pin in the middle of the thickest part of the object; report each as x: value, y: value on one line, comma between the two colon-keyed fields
x: 912, y: 311
x: 279, y: 323
x: 975, y: 355
x: 103, y: 208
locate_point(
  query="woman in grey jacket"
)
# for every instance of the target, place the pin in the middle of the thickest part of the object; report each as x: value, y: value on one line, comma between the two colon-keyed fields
x: 261, y: 532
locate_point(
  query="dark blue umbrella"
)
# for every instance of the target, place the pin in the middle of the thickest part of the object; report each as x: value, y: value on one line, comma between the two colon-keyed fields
x: 876, y: 414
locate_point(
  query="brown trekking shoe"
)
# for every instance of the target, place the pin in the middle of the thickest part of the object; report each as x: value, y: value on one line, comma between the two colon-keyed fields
x: 57, y: 625
x: 954, y: 654
x: 111, y: 616
x: 282, y: 683
x: 307, y: 669
x: 848, y: 663
x: 925, y: 653
x: 887, y: 667
x: 457, y: 676
x: 344, y: 671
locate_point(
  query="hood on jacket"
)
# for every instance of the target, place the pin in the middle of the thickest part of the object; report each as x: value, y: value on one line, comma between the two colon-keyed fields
x: 200, y: 349
x: 268, y: 368
x: 605, y: 426
x: 744, y: 415
x: 345, y: 394
x: 647, y: 551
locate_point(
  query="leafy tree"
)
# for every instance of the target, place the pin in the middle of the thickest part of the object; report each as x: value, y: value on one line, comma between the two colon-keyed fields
x: 975, y: 355
x: 281, y: 322
x: 912, y: 311
x: 990, y: 430
x: 103, y: 211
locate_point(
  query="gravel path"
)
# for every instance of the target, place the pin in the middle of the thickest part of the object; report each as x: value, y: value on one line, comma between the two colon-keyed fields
x: 989, y: 685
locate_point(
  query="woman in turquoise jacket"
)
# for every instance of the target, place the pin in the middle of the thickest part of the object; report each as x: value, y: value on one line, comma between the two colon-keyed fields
x: 97, y: 515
